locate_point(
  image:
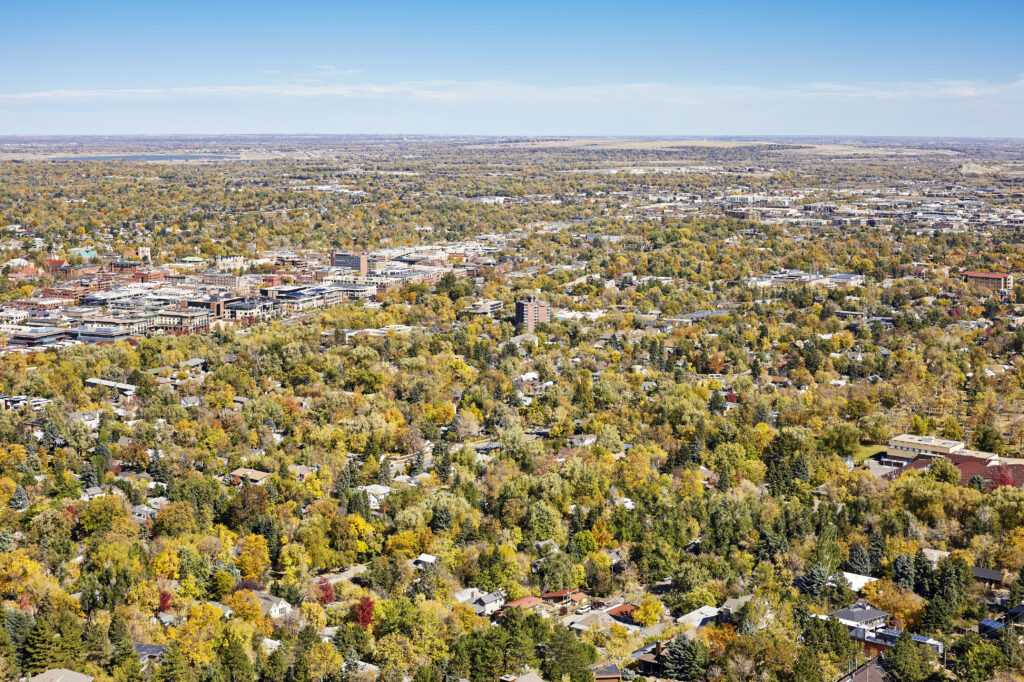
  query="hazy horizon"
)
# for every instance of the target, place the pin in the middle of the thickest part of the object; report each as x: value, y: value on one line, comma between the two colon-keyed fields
x: 527, y: 69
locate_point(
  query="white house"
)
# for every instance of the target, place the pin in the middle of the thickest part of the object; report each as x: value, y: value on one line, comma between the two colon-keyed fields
x: 271, y: 606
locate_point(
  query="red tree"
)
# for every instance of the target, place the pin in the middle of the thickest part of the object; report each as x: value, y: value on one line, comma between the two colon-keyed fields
x: 324, y: 591
x: 364, y: 612
x: 1003, y: 477
x: 165, y: 601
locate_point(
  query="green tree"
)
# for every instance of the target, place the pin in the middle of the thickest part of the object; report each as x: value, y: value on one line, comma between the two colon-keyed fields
x: 988, y: 439
x: 938, y: 615
x: 904, y: 662
x: 8, y: 657
x: 922, y: 573
x: 234, y: 661
x: 903, y: 572
x: 827, y: 552
x: 441, y: 520
x: 276, y: 668
x: 119, y: 638
x: 40, y: 649
x: 19, y: 500
x: 173, y: 666
x: 384, y: 473
x: 442, y: 457
x: 565, y: 654
x: 859, y: 561
x: 97, y: 646
x: 976, y: 659
x: 686, y: 659
x: 815, y: 581
x: 944, y: 471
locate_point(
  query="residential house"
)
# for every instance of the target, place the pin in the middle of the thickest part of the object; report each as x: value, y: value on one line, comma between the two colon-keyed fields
x: 698, y: 618
x: 488, y: 604
x: 225, y: 611
x: 61, y: 675
x: 582, y: 440
x: 271, y: 606
x: 599, y: 621
x: 143, y: 513
x: 250, y: 476
x: 376, y: 494
x: 148, y: 653
x: 988, y: 577
x: 528, y: 603
x: 424, y: 560
x: 885, y: 639
x: 564, y: 597
x: 858, y: 582
x: 650, y: 660
x: 989, y: 628
x: 868, y: 672
x: 622, y: 613
x: 605, y: 672
x: 862, y: 616
x: 730, y: 609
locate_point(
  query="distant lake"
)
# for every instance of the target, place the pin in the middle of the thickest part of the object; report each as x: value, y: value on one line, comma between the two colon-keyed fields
x: 145, y: 157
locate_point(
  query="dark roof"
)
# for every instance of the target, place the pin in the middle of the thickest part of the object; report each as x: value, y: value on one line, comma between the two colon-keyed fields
x: 987, y: 574
x: 860, y: 613
x: 990, y: 624
x: 154, y: 650
x: 605, y: 670
x: 896, y: 634
x: 869, y: 672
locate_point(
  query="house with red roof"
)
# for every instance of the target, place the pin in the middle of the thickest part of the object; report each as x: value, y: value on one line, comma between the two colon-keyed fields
x: 562, y: 597
x: 528, y: 603
x: 622, y: 612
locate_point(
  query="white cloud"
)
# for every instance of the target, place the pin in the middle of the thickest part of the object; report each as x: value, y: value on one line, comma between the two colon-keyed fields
x: 500, y: 91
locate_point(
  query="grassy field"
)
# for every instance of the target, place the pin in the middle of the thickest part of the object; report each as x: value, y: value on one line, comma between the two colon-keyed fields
x: 864, y: 452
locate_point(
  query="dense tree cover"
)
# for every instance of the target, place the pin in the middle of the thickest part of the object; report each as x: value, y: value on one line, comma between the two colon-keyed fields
x: 704, y: 481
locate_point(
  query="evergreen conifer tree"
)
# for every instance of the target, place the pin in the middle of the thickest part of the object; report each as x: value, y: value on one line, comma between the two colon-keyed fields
x: 686, y: 659
x: 859, y: 561
x: 903, y: 572
x: 173, y: 666
x: 19, y: 500
x: 39, y: 651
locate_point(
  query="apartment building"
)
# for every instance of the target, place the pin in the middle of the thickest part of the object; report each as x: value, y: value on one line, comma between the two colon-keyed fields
x: 531, y: 312
x: 996, y: 282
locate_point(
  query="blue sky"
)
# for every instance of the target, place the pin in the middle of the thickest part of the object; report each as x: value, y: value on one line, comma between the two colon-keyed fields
x: 901, y: 67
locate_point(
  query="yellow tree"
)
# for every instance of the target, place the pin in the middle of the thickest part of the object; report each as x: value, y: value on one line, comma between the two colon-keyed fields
x: 323, y: 659
x: 247, y: 607
x: 196, y: 636
x: 648, y: 612
x: 253, y: 557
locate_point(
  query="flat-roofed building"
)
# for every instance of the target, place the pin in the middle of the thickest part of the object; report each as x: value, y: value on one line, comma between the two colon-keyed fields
x: 488, y: 306
x: 908, y: 447
x: 135, y: 325
x: 122, y: 388
x: 39, y: 336
x: 351, y: 260
x: 219, y: 279
x: 102, y: 334
x: 250, y: 310
x: 531, y: 312
x: 184, y: 320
